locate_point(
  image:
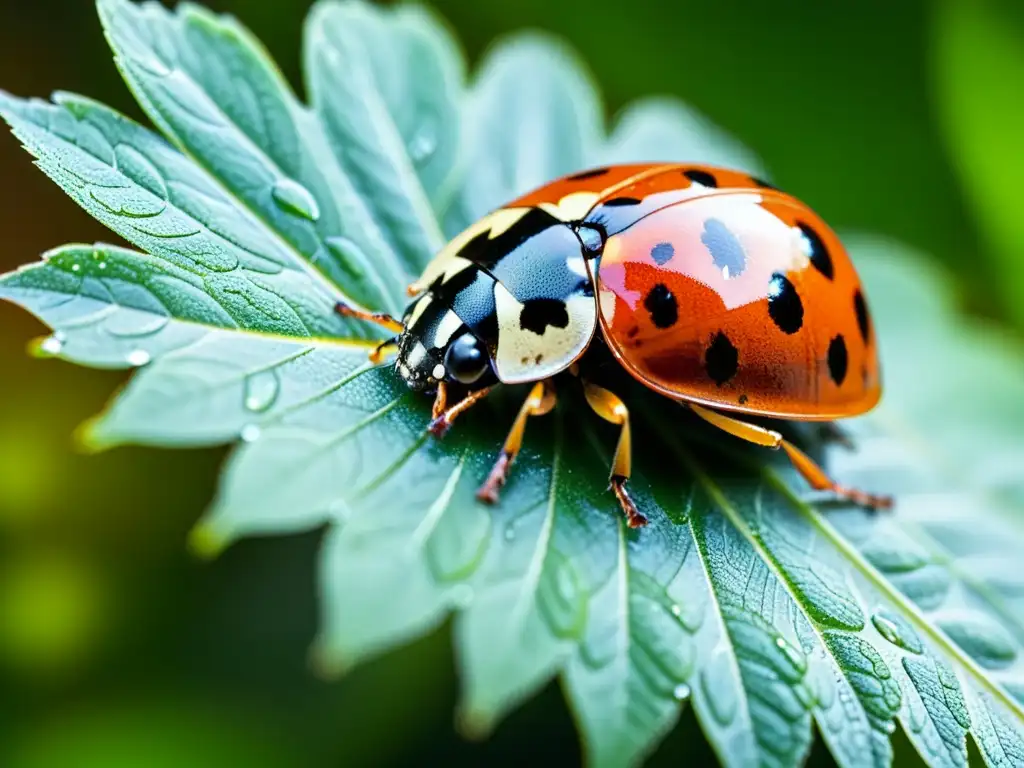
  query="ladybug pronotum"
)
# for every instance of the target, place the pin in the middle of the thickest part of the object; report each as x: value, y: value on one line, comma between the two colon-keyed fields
x: 707, y: 285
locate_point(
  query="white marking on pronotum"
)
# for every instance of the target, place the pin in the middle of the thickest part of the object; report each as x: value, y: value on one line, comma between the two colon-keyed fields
x: 416, y: 356
x: 438, y: 372
x: 449, y: 324
x: 448, y: 262
x: 417, y: 311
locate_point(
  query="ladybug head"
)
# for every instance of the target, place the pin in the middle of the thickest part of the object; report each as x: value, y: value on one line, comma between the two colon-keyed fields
x: 435, y: 345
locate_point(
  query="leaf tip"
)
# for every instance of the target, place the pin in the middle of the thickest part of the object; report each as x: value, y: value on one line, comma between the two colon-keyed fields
x: 327, y: 662
x: 205, y: 541
x: 472, y: 724
x: 45, y: 347
x: 88, y: 436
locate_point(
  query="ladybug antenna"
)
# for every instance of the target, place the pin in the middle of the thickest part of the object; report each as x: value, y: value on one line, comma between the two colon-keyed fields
x: 383, y: 319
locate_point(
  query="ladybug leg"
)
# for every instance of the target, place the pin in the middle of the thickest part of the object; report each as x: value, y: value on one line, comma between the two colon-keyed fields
x: 383, y: 319
x: 378, y: 352
x: 444, y: 416
x: 540, y: 401
x: 803, y: 463
x: 610, y: 408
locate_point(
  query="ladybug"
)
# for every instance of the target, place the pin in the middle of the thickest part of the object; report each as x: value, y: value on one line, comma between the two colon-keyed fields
x: 707, y: 285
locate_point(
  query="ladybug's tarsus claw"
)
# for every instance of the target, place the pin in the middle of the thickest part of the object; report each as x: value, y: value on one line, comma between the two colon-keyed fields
x: 443, y: 417
x: 634, y: 518
x: 488, y: 492
x: 439, y: 427
x: 869, y: 501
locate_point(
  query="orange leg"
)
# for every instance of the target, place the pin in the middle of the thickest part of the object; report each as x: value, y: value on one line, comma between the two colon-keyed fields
x: 804, y: 464
x: 540, y: 401
x: 611, y: 408
x: 378, y: 352
x: 440, y: 401
x: 383, y: 319
x: 443, y: 417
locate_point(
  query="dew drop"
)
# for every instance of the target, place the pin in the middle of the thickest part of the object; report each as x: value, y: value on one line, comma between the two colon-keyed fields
x: 75, y: 267
x: 102, y: 265
x: 423, y: 143
x: 681, y: 691
x: 349, y: 256
x: 510, y: 532
x: 890, y: 727
x: 462, y: 596
x: 794, y: 655
x: 566, y: 583
x: 890, y: 629
x: 719, y: 689
x: 138, y: 357
x: 250, y: 433
x: 918, y: 715
x: 153, y: 65
x: 676, y: 610
x: 295, y: 199
x: 51, y: 345
x: 261, y: 390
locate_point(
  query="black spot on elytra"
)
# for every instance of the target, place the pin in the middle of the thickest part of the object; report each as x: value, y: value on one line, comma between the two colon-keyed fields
x: 784, y: 305
x: 701, y: 177
x: 538, y: 314
x: 615, y: 202
x: 725, y: 249
x: 743, y: 400
x: 662, y: 253
x: 632, y: 332
x: 594, y: 173
x: 817, y: 251
x: 762, y: 183
x: 662, y: 305
x: 721, y: 360
x: 838, y: 360
x: 863, y: 321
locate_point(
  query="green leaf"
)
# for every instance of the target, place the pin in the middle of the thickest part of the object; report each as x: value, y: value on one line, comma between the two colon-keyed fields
x: 531, y: 116
x: 771, y: 616
x: 208, y: 85
x: 387, y: 91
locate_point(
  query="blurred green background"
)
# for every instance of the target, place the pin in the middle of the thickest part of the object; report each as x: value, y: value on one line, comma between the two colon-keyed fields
x: 117, y: 648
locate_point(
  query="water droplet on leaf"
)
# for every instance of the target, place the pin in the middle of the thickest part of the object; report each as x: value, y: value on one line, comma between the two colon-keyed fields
x: 250, y: 433
x: 295, y: 199
x: 75, y: 267
x: 793, y: 654
x: 261, y: 390
x: 51, y: 345
x: 890, y: 628
x: 423, y: 143
x: 681, y: 691
x: 676, y: 610
x: 138, y: 357
x: 102, y: 265
x: 719, y: 689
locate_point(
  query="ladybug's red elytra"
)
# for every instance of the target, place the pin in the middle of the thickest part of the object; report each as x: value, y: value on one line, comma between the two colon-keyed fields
x: 708, y: 286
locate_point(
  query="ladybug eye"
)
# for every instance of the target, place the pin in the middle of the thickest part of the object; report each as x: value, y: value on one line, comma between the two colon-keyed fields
x: 466, y: 359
